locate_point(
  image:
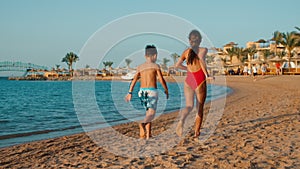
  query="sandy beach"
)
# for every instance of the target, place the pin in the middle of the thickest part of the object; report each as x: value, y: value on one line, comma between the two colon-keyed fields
x: 259, y: 128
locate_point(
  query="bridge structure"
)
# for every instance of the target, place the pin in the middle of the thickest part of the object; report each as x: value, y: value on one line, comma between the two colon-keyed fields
x: 19, y: 66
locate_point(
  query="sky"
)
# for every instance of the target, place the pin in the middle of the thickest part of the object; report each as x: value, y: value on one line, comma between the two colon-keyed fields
x: 43, y: 32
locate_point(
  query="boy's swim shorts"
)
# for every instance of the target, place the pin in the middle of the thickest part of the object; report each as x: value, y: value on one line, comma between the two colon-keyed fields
x: 148, y: 97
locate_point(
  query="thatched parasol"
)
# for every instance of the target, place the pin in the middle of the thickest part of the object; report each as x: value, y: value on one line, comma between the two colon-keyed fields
x: 276, y: 59
x: 255, y: 61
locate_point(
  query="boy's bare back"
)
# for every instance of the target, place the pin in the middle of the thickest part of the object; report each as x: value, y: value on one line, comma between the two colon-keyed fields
x: 148, y: 74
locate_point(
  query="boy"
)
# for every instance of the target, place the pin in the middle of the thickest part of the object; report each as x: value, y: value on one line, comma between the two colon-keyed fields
x: 148, y: 73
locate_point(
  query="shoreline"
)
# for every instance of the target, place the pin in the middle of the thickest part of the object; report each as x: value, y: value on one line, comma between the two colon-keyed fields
x: 106, y: 78
x: 259, y: 128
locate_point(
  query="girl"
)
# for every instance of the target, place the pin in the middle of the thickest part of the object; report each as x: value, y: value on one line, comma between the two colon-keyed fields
x: 195, y: 82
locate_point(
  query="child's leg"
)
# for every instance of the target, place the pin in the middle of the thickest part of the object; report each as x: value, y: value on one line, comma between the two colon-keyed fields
x: 148, y: 130
x: 149, y: 117
x: 201, y: 96
x: 142, y: 130
x: 198, y: 120
x: 150, y: 113
x: 189, y: 100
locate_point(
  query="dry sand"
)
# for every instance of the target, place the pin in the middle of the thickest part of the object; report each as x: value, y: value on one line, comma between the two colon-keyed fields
x: 260, y: 128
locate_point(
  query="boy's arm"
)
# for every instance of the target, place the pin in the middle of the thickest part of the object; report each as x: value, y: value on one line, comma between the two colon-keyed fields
x: 132, y: 84
x: 163, y: 82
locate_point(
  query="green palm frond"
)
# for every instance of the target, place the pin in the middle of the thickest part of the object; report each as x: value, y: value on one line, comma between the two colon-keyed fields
x: 70, y: 58
x: 290, y: 40
x: 128, y: 61
x: 277, y: 37
x: 175, y: 56
x: 231, y: 52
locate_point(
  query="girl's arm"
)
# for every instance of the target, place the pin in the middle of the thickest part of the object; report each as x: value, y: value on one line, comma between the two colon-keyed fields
x: 202, y: 54
x: 180, y: 61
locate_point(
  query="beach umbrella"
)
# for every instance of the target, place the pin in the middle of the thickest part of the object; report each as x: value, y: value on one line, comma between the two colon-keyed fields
x: 296, y: 59
x: 228, y: 65
x: 276, y: 59
x: 256, y: 61
x: 234, y: 64
x: 238, y: 64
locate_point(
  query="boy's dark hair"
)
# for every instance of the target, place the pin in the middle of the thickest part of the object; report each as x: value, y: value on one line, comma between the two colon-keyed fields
x: 150, y: 50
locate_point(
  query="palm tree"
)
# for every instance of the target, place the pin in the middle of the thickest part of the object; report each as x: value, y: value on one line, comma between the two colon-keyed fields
x: 164, y: 65
x: 128, y: 61
x: 231, y: 52
x: 57, y: 68
x: 70, y: 58
x: 105, y: 64
x: 277, y: 38
x: 209, y: 58
x: 240, y: 52
x: 223, y: 60
x: 109, y: 64
x: 289, y: 41
x: 175, y: 56
x: 298, y: 35
x: 281, y: 54
x: 251, y: 52
x: 267, y: 54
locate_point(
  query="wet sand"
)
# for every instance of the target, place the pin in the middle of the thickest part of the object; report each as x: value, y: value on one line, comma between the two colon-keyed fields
x: 259, y: 128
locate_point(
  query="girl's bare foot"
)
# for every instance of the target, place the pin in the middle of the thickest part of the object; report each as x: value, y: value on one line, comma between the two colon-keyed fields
x: 179, y: 128
x: 198, y: 122
x: 197, y: 134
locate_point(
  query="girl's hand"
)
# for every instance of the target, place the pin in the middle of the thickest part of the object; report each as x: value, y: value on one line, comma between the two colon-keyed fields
x: 210, y: 77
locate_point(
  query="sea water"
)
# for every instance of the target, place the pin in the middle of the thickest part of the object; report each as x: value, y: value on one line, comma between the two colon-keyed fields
x: 36, y: 110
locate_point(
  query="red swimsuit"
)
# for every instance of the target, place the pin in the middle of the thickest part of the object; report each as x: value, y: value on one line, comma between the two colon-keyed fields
x: 195, y: 79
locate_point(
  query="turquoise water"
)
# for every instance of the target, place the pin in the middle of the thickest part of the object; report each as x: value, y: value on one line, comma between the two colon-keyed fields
x: 35, y: 110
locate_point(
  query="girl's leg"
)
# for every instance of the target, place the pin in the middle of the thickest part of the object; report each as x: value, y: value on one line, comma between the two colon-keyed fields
x: 189, y: 100
x: 201, y: 96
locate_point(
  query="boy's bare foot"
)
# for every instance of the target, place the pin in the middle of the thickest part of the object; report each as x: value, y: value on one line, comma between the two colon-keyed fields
x: 142, y: 131
x: 179, y: 128
x: 148, y: 130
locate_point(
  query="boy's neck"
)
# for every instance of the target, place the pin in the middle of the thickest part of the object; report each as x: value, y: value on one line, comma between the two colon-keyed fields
x: 149, y: 60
